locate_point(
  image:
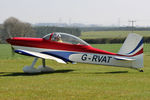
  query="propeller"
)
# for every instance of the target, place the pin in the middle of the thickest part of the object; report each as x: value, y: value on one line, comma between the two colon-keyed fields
x: 10, y: 36
x: 12, y: 51
x: 9, y: 33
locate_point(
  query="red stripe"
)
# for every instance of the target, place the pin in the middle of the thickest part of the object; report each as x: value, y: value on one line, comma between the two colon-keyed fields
x: 47, y: 44
x: 139, y: 52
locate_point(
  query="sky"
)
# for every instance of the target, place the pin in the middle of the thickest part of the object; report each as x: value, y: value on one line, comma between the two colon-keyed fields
x: 101, y: 12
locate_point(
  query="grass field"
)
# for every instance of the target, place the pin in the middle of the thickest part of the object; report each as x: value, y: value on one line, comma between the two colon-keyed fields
x: 73, y: 82
x: 110, y: 34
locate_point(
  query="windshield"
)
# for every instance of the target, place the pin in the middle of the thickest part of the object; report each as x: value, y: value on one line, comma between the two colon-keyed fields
x: 46, y: 37
x: 65, y: 38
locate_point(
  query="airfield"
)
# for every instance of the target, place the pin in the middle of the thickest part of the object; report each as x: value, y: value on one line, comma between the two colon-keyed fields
x: 72, y: 81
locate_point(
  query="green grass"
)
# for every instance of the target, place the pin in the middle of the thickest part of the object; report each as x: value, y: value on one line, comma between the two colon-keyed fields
x: 110, y: 34
x: 72, y: 82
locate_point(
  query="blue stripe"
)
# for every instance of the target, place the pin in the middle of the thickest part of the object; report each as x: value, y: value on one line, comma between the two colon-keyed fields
x: 24, y: 53
x: 140, y: 43
x: 118, y: 59
x: 60, y: 54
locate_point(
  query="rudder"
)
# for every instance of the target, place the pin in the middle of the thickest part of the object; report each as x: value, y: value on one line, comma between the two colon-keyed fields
x: 133, y: 47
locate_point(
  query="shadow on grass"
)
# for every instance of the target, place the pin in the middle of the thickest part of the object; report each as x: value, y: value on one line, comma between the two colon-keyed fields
x: 57, y: 71
x: 114, y: 72
x: 29, y: 74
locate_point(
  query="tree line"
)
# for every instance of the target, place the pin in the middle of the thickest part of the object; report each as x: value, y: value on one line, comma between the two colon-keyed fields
x: 12, y: 27
x: 43, y: 30
x: 127, y: 28
x: 111, y: 40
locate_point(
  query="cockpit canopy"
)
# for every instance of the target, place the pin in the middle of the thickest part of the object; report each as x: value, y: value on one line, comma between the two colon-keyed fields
x: 64, y: 38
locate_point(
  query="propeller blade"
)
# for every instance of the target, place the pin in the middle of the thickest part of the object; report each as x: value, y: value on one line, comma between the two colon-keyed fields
x: 9, y: 33
x: 12, y: 51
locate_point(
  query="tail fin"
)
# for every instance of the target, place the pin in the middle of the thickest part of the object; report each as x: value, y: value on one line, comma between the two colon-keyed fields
x: 133, y: 47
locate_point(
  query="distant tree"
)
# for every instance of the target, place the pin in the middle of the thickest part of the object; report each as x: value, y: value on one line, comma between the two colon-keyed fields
x: 1, y: 28
x: 12, y: 27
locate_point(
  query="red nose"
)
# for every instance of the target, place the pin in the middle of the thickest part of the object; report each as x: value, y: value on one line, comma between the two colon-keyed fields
x: 9, y: 40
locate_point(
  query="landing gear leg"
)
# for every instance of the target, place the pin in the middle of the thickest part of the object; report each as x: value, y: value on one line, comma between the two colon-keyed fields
x: 31, y: 69
x: 45, y: 68
x: 43, y: 62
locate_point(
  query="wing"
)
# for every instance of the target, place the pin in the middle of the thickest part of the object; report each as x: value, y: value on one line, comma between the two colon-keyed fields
x: 39, y: 55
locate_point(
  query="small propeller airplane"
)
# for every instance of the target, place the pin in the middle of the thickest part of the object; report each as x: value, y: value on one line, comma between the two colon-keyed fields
x: 64, y: 48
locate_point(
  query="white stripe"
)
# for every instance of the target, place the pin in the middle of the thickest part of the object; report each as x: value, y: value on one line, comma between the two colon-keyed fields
x: 36, y: 49
x: 141, y: 47
x: 37, y: 54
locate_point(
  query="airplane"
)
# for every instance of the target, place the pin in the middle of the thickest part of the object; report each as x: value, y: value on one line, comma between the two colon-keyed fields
x: 67, y: 48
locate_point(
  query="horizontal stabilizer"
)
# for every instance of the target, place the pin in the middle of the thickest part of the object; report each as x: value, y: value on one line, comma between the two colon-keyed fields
x: 124, y: 59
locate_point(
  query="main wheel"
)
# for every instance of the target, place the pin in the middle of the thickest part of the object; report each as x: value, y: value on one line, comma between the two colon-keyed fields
x: 141, y: 70
x: 29, y: 69
x: 45, y: 69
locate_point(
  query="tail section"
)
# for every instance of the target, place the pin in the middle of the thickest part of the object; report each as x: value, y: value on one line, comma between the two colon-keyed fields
x: 133, y: 48
x: 133, y: 45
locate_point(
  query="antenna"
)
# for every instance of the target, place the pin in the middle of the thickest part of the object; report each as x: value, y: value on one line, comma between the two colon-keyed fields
x: 132, y: 22
x: 119, y: 22
x: 70, y: 21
